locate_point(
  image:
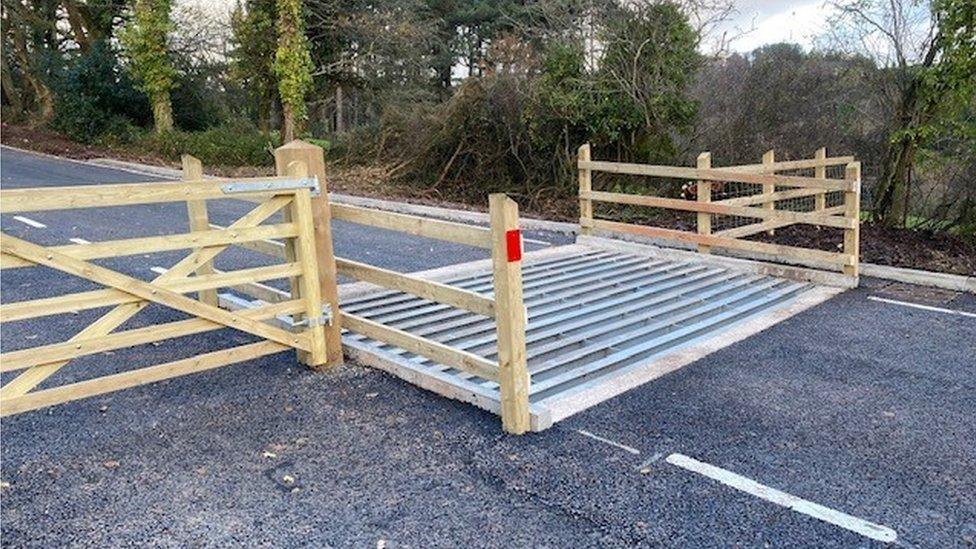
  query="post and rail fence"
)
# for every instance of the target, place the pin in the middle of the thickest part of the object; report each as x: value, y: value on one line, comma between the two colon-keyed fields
x: 502, y: 238
x: 764, y: 188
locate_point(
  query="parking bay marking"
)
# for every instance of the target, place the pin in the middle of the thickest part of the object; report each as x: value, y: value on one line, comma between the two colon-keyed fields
x: 623, y: 447
x: 31, y: 222
x: 922, y: 307
x: 860, y: 526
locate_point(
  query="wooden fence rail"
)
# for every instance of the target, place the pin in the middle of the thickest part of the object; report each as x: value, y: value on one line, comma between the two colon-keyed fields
x: 760, y: 206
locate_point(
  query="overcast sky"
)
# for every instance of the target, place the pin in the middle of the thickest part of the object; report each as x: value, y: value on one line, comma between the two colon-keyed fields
x: 798, y: 21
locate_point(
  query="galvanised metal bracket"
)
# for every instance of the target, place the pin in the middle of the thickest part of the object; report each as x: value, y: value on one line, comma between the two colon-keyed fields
x: 324, y: 320
x: 245, y: 187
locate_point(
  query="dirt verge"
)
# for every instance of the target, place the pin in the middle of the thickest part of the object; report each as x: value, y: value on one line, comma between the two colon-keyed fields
x: 925, y: 250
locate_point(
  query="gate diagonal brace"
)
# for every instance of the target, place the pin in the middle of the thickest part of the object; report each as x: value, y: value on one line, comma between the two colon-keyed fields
x: 147, y: 291
x: 29, y: 379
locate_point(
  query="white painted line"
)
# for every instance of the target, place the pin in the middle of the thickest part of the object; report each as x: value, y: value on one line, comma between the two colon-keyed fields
x: 79, y: 241
x: 922, y: 307
x: 654, y: 458
x: 817, y: 511
x: 158, y: 270
x: 29, y: 221
x: 533, y: 241
x: 623, y: 447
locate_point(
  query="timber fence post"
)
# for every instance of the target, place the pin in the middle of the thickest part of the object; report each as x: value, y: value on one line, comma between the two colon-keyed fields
x: 197, y: 212
x: 768, y: 188
x: 585, y: 186
x: 510, y: 313
x: 852, y: 210
x: 313, y: 157
x: 304, y: 253
x: 820, y: 172
x: 703, y: 192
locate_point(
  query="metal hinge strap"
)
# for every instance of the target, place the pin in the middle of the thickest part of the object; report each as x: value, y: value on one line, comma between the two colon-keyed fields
x: 244, y: 187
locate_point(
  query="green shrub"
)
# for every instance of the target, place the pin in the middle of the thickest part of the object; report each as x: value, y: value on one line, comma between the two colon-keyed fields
x: 94, y: 95
x: 232, y: 144
x: 324, y: 143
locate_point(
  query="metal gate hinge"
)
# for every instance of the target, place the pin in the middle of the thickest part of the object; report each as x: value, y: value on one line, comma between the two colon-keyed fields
x: 325, y: 319
x: 243, y: 187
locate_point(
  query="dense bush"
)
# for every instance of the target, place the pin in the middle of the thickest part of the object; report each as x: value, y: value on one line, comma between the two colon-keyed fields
x: 232, y: 144
x: 196, y: 105
x: 517, y: 130
x: 94, y: 95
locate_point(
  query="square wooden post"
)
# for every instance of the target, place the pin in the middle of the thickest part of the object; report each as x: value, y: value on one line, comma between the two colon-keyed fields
x: 304, y: 252
x: 510, y: 313
x: 313, y: 157
x: 704, y: 193
x: 769, y: 188
x: 820, y: 172
x: 852, y: 210
x: 585, y: 186
x: 197, y: 211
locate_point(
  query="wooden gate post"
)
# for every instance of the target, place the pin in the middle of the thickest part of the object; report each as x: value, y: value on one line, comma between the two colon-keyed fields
x: 703, y: 191
x: 197, y: 211
x: 768, y: 188
x: 852, y: 210
x: 585, y: 186
x: 314, y: 159
x: 820, y: 172
x: 510, y: 313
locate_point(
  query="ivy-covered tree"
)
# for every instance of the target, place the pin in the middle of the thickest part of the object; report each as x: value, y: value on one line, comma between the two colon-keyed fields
x: 145, y: 41
x: 253, y: 24
x: 292, y: 66
x: 926, y: 50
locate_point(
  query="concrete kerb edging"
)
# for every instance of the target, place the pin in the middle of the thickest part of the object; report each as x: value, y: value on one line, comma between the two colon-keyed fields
x: 897, y: 274
x: 923, y: 278
x: 448, y: 214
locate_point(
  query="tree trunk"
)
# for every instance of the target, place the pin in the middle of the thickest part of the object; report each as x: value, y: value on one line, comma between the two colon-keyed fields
x: 43, y: 97
x: 76, y: 20
x: 340, y: 119
x: 890, y: 203
x: 288, y: 123
x: 162, y: 112
x: 10, y: 92
x: 264, y: 114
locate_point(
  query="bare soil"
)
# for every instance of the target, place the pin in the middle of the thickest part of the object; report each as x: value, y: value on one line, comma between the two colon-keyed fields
x: 925, y: 250
x: 913, y: 249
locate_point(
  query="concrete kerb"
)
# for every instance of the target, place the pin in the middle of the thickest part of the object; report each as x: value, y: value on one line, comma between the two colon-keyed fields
x: 462, y: 216
x: 898, y: 274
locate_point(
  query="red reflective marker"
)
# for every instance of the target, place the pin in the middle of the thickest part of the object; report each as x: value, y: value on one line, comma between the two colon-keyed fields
x: 513, y: 242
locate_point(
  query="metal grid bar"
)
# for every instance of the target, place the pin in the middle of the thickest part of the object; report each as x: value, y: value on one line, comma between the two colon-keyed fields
x: 588, y: 316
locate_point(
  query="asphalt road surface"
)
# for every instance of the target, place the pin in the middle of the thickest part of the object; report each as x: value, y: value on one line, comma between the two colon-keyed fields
x: 863, y: 408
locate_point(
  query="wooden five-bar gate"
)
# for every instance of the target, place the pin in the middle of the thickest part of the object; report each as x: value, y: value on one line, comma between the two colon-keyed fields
x: 127, y: 295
